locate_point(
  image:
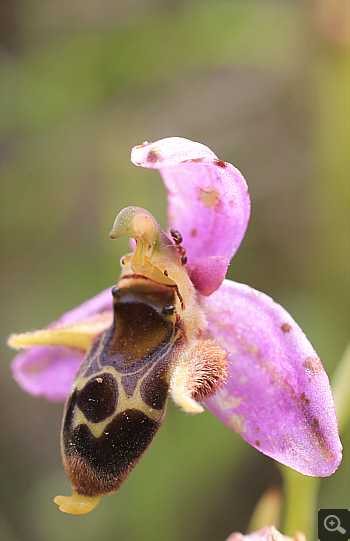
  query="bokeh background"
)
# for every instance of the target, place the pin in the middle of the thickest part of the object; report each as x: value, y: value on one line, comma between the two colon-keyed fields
x: 265, y: 85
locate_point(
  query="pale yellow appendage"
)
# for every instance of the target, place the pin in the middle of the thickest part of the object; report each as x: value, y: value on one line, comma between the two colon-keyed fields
x: 179, y: 389
x: 78, y: 335
x: 77, y: 504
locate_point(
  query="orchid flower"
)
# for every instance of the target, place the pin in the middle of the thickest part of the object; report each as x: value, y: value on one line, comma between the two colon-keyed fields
x: 174, y: 325
x: 267, y: 533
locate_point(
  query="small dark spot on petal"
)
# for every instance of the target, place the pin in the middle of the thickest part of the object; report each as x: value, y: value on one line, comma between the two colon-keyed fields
x: 304, y: 399
x: 153, y: 156
x: 257, y: 429
x: 220, y: 163
x: 166, y: 273
x: 313, y: 365
x: 315, y: 422
x: 286, y: 327
x: 194, y: 232
x: 257, y: 443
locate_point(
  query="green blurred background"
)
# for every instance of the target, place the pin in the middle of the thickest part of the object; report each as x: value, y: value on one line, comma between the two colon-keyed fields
x: 265, y: 85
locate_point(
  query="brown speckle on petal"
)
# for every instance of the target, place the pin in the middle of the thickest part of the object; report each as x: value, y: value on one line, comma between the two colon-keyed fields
x: 194, y: 232
x: 313, y: 365
x: 193, y: 160
x: 153, y: 156
x: 286, y: 327
x: 220, y: 163
x: 304, y: 399
x: 257, y: 443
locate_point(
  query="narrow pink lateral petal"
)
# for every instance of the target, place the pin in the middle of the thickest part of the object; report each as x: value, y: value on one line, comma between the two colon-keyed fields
x: 278, y: 396
x: 208, y: 200
x: 48, y: 371
x: 209, y: 274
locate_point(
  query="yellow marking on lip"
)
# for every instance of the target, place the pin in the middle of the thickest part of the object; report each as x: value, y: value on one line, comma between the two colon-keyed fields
x: 124, y: 402
x: 77, y: 504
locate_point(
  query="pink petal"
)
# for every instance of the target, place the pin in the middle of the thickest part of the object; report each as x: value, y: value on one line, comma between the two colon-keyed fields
x: 278, y: 396
x: 48, y: 371
x: 208, y: 200
x: 209, y: 274
x: 267, y: 533
x: 102, y: 302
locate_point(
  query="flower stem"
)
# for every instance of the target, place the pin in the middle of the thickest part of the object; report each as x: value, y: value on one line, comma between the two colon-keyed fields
x: 301, y: 494
x: 340, y: 386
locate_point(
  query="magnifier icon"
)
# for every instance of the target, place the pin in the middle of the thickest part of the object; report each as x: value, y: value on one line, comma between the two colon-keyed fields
x: 332, y: 524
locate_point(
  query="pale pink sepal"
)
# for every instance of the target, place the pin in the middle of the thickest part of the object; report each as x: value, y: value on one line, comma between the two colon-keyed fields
x: 208, y: 200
